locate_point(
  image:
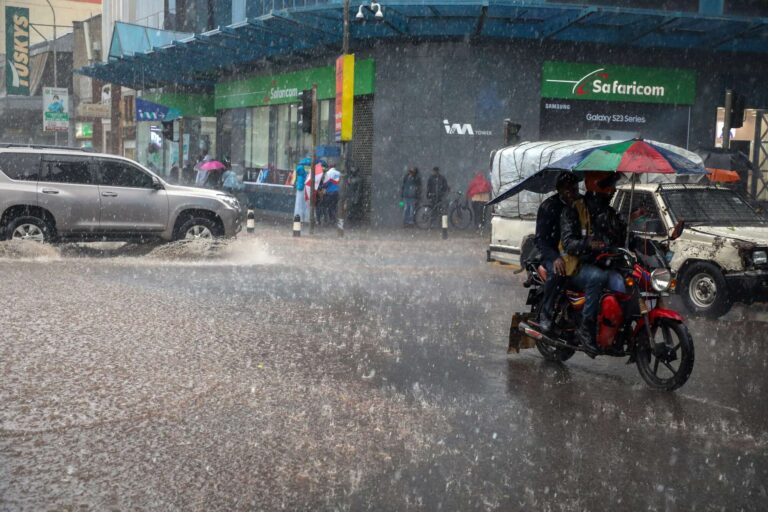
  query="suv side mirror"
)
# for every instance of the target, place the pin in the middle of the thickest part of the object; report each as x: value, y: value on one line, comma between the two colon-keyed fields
x: 156, y: 183
x: 677, y: 230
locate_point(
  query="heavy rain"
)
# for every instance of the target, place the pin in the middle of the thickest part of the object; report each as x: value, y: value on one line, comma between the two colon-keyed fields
x: 336, y: 255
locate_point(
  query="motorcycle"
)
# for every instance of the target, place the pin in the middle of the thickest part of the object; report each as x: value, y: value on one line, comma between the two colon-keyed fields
x: 635, y: 323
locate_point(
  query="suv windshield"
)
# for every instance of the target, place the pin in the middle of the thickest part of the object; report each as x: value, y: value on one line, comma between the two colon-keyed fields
x: 710, y: 206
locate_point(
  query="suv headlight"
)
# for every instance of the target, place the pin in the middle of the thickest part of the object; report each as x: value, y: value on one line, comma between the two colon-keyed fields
x: 760, y: 257
x: 230, y: 201
x: 661, y: 278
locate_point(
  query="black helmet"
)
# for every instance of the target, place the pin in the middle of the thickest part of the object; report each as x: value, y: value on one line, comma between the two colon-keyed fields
x: 567, y: 178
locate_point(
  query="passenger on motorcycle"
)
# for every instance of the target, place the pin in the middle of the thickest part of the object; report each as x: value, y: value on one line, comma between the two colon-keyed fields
x: 547, y: 241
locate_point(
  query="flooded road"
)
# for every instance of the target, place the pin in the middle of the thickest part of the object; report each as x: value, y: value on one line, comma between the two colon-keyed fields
x: 368, y: 373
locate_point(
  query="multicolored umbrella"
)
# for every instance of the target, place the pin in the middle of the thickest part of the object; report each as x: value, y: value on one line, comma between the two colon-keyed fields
x: 634, y: 156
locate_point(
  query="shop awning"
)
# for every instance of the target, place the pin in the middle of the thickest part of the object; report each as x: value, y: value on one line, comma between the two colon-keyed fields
x: 142, y: 58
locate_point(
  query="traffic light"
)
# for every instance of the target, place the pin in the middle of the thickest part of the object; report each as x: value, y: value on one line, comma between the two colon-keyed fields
x: 305, y: 111
x: 738, y: 102
x: 168, y: 130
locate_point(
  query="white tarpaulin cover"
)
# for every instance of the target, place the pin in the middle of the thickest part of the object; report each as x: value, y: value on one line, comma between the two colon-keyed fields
x: 513, y: 164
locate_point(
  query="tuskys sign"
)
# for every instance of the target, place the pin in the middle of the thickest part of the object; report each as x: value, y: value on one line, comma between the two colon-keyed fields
x: 17, y: 50
x: 569, y: 80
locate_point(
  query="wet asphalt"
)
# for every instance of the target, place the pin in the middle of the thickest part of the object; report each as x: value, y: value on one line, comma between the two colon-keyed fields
x: 369, y: 373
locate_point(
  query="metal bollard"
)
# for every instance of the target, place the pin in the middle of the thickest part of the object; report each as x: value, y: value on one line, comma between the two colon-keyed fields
x: 445, y: 227
x: 250, y: 222
x: 297, y: 225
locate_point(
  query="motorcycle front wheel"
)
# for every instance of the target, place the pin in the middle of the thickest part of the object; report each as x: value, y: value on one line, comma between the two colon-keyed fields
x: 667, y: 361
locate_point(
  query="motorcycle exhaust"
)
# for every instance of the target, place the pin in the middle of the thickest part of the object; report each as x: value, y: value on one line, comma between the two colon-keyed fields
x: 532, y: 332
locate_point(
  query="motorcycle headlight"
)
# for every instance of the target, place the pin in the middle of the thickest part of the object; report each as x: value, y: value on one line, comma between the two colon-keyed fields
x: 760, y: 257
x: 230, y: 201
x: 661, y: 278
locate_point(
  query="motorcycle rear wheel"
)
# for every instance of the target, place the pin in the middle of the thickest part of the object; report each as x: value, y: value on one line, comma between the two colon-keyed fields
x: 554, y: 354
x: 658, y: 369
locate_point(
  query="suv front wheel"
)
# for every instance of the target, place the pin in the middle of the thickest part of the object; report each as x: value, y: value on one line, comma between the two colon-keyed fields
x: 705, y: 291
x: 197, y: 228
x: 29, y: 228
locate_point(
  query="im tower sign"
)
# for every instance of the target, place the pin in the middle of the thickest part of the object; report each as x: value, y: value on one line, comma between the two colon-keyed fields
x: 595, y: 101
x: 567, y: 80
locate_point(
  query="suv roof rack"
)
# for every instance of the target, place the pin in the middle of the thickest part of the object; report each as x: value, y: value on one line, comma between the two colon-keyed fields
x: 4, y: 145
x: 677, y: 186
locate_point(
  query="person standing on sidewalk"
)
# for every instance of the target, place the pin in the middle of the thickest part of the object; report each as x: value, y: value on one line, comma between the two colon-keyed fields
x: 479, y: 193
x: 331, y: 199
x: 300, y: 207
x: 437, y: 191
x: 410, y: 193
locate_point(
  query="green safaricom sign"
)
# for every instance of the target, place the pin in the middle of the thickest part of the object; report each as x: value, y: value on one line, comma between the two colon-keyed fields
x: 568, y: 80
x: 17, y: 50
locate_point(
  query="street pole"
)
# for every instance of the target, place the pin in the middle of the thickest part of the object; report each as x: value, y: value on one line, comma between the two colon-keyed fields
x: 727, y: 119
x: 55, y: 66
x: 312, y: 194
x: 341, y: 208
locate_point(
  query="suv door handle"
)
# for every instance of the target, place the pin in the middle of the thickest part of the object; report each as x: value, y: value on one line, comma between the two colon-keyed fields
x: 109, y: 194
x: 50, y: 191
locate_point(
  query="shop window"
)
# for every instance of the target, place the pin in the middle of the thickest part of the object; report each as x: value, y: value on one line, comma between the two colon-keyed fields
x: 257, y: 137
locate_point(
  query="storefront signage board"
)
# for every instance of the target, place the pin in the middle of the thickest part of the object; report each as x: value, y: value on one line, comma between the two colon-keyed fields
x: 279, y: 89
x: 597, y: 82
x: 55, y: 109
x: 345, y: 97
x: 189, y: 105
x: 100, y: 110
x: 17, y: 70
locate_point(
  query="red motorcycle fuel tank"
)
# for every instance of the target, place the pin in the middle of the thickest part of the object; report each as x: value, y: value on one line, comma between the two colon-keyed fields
x: 609, y: 320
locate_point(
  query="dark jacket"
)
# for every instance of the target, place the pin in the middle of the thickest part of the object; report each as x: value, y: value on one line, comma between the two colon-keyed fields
x: 575, y: 241
x: 411, y: 188
x: 547, y: 237
x: 437, y: 188
x: 606, y: 223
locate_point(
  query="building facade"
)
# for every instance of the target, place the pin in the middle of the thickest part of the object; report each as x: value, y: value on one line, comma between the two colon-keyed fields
x: 434, y: 82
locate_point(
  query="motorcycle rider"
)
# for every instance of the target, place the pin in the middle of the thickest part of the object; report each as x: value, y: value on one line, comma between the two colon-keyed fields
x: 579, y: 245
x: 606, y: 223
x: 547, y: 241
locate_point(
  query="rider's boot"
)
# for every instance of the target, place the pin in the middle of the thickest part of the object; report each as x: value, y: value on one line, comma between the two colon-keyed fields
x: 545, y: 322
x: 585, y: 335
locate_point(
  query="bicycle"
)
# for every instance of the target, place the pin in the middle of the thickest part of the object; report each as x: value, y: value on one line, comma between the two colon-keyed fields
x: 460, y: 213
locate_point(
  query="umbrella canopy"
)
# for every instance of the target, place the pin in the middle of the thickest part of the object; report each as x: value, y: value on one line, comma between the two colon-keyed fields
x: 722, y: 175
x: 211, y: 165
x: 632, y: 156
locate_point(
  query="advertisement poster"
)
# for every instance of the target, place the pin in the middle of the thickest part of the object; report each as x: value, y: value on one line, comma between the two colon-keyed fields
x: 345, y: 95
x: 17, y: 50
x: 55, y: 109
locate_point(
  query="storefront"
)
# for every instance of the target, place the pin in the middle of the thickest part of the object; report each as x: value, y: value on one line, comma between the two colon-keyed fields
x: 194, y: 120
x: 597, y: 101
x: 258, y: 127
